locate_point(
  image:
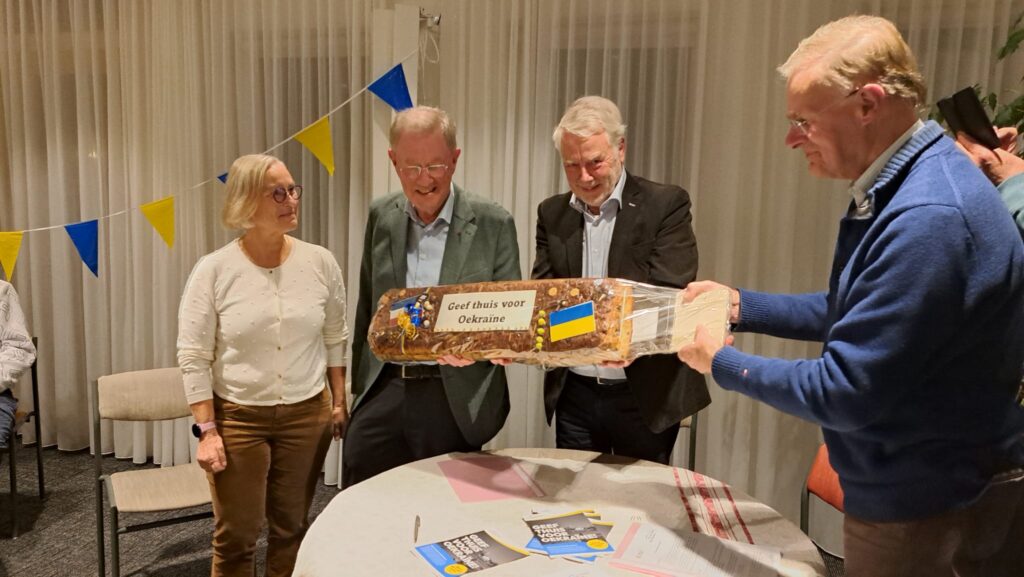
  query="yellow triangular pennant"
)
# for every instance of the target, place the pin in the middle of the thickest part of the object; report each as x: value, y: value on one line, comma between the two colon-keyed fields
x: 160, y: 214
x: 10, y: 245
x: 317, y: 138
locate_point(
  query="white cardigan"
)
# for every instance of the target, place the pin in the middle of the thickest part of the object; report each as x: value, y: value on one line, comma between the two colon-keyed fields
x: 259, y: 336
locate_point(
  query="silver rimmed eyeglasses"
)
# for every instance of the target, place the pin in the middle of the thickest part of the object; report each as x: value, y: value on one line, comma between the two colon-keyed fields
x: 804, y: 125
x: 281, y: 193
x: 414, y: 171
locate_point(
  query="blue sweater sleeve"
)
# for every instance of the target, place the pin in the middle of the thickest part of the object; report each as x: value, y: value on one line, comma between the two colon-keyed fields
x: 1012, y: 191
x: 800, y: 317
x: 906, y: 302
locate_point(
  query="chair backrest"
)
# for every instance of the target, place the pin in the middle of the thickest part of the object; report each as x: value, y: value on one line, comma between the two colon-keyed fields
x: 152, y: 395
x: 33, y: 371
x: 823, y: 481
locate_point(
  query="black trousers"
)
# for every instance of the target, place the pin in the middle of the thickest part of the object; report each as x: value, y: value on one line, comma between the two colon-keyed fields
x: 606, y: 418
x: 403, y: 419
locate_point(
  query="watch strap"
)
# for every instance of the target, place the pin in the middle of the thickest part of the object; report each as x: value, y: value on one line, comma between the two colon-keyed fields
x: 199, y: 428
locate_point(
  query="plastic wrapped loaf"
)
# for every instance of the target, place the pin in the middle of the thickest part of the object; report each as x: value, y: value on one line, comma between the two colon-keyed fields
x: 554, y: 322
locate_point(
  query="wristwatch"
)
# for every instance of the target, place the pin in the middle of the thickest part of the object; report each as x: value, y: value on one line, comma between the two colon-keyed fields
x: 199, y: 428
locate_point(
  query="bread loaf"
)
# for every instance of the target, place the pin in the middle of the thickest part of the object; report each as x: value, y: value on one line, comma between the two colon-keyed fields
x: 558, y: 322
x: 554, y: 322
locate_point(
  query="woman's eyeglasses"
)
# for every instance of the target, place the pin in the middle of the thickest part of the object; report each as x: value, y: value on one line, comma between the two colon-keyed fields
x: 281, y: 193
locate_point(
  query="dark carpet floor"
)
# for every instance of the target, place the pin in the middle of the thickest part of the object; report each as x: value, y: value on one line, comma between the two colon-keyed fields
x: 58, y: 535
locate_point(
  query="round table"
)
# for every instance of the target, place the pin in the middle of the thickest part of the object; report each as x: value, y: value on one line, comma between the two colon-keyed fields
x: 369, y: 529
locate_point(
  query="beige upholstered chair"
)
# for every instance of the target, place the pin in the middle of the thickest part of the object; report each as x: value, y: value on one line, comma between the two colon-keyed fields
x: 153, y: 395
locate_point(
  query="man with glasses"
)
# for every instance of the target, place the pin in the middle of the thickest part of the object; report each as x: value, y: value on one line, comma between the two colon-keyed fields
x: 431, y: 233
x: 922, y: 322
x: 615, y: 224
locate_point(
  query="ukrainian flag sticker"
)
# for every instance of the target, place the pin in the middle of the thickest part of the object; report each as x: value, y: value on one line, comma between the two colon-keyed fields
x: 573, y: 321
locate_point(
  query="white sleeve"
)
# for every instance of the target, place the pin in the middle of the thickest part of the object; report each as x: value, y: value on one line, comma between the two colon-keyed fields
x: 197, y: 329
x: 335, y: 330
x: 16, y: 350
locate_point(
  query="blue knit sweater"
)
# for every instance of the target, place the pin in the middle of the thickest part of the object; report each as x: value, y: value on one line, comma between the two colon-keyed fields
x: 923, y: 331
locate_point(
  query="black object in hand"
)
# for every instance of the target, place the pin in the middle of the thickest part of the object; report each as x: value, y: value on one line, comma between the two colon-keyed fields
x: 963, y: 113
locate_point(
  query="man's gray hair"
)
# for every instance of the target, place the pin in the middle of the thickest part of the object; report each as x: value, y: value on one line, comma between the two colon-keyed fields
x: 422, y: 120
x: 855, y: 50
x: 590, y: 115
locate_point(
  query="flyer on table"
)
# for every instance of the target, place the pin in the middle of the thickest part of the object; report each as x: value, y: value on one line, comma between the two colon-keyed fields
x: 468, y: 554
x: 570, y: 533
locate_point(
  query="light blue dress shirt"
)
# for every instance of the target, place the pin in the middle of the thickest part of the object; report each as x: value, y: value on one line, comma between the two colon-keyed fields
x: 597, y: 240
x: 424, y: 246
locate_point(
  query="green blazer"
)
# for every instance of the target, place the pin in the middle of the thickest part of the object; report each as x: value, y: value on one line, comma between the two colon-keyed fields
x: 481, y: 246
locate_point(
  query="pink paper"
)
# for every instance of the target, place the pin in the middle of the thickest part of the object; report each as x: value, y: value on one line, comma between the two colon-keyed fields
x: 488, y: 478
x: 626, y: 541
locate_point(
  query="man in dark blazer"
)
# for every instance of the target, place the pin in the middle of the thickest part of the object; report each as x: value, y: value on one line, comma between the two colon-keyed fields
x: 431, y: 233
x: 615, y: 224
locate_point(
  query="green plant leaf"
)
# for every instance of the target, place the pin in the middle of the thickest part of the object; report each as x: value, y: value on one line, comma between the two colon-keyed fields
x: 1011, y: 114
x: 991, y: 101
x: 1012, y: 43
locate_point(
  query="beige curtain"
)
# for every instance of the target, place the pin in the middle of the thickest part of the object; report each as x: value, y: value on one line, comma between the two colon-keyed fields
x: 110, y: 104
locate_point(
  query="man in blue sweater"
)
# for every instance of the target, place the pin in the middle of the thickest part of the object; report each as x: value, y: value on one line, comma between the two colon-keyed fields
x: 922, y: 322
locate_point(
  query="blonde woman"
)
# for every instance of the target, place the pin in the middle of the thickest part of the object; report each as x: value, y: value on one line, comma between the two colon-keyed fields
x: 261, y: 333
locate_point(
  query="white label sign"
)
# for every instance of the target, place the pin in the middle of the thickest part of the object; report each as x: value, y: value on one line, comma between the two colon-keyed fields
x: 472, y: 312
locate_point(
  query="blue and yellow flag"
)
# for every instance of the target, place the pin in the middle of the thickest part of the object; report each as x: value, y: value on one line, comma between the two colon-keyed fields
x: 573, y: 321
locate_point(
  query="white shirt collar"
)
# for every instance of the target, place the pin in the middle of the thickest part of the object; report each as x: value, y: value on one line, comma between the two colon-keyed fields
x: 860, y: 187
x: 616, y: 196
x: 446, y: 211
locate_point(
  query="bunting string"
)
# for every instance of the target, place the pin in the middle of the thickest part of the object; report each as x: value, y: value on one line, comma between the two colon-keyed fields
x: 391, y: 87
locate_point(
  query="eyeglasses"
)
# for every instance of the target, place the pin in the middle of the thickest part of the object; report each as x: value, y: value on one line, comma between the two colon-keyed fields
x: 592, y: 166
x: 414, y: 171
x: 804, y: 125
x: 281, y: 193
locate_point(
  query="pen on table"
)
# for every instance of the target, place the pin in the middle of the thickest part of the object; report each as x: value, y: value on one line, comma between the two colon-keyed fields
x: 416, y: 530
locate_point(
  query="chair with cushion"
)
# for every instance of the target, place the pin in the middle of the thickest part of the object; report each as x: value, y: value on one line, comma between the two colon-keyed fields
x: 22, y: 416
x: 823, y: 482
x: 153, y: 395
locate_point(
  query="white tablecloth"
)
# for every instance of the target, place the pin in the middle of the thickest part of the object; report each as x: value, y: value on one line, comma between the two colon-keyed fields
x: 368, y: 529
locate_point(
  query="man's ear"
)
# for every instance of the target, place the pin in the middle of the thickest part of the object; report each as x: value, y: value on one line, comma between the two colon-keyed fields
x: 870, y: 97
x: 391, y: 155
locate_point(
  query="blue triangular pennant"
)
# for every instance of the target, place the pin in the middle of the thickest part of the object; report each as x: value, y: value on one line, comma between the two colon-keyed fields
x: 223, y: 178
x: 84, y: 235
x: 391, y: 88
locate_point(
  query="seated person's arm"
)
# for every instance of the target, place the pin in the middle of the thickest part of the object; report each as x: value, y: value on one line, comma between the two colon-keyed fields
x: 16, y: 350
